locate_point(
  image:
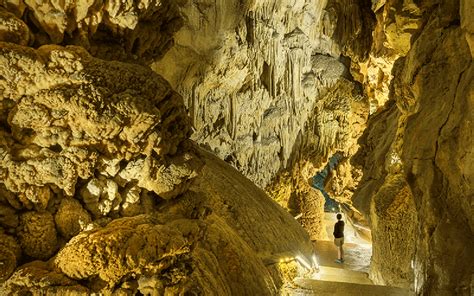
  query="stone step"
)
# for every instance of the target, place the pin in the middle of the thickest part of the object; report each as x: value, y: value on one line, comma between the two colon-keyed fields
x: 342, y: 275
x: 306, y: 287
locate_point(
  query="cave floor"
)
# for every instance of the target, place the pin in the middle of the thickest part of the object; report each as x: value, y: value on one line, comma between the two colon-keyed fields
x: 349, y: 278
x: 316, y: 287
x: 356, y: 256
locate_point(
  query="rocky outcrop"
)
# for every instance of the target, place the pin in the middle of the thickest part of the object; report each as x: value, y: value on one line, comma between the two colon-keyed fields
x: 12, y: 29
x: 112, y: 30
x: 67, y: 123
x: 342, y: 181
x: 224, y: 234
x: 74, y: 117
x: 417, y: 153
x: 440, y: 169
x: 38, y: 277
x: 10, y: 254
x: 71, y: 218
x: 102, y: 186
x: 386, y: 198
x: 37, y: 234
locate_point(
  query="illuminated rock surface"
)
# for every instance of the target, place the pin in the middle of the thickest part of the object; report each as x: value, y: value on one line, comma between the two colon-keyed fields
x: 105, y: 184
x: 83, y: 141
x: 125, y: 30
x: 417, y: 157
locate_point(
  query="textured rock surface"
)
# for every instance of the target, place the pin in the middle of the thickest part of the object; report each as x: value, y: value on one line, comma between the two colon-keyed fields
x: 387, y: 200
x: 122, y: 30
x: 38, y: 277
x: 10, y: 253
x: 95, y: 156
x: 253, y: 73
x: 342, y: 181
x: 85, y: 142
x: 417, y: 156
x: 269, y: 89
x: 12, y: 29
x: 75, y: 114
x: 71, y: 218
x: 37, y: 234
x: 213, y: 239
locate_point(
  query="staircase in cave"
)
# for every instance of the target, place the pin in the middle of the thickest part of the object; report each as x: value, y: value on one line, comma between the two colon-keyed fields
x: 320, y: 287
x: 345, y: 279
x: 350, y: 278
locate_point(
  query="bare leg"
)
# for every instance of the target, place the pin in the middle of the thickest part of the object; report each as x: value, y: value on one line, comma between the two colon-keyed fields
x: 341, y: 253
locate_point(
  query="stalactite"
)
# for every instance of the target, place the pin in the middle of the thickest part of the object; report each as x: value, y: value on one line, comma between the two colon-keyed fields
x: 281, y: 41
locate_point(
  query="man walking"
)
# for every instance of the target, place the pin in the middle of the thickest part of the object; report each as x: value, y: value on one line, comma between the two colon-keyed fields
x: 339, y: 238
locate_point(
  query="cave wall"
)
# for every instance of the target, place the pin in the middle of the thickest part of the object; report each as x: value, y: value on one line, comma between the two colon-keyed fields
x: 269, y: 88
x: 136, y: 31
x: 101, y: 190
x: 253, y: 72
x: 93, y: 140
x: 417, y: 153
x: 385, y: 197
x: 439, y: 170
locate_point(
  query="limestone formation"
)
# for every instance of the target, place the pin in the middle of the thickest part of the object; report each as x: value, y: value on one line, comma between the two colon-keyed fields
x: 71, y: 218
x: 75, y: 113
x: 253, y: 75
x: 9, y: 216
x: 129, y: 245
x: 387, y: 200
x: 12, y: 29
x: 119, y: 30
x: 37, y: 234
x: 439, y: 169
x: 417, y: 157
x: 10, y: 254
x: 342, y: 181
x: 38, y: 277
x: 213, y: 238
x: 85, y: 142
x: 108, y: 182
x: 261, y: 79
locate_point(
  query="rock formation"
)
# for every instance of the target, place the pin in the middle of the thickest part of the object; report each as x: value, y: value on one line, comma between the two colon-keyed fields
x: 102, y: 191
x: 110, y: 110
x: 417, y: 153
x: 112, y: 30
x: 269, y: 89
x: 254, y: 72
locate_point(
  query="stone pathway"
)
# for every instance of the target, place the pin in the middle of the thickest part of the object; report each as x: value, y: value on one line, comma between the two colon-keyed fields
x: 306, y: 287
x: 347, y: 279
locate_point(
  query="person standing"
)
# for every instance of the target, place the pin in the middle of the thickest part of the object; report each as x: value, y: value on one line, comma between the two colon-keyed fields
x: 339, y: 238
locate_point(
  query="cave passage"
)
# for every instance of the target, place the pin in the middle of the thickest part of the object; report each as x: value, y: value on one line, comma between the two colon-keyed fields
x: 357, y: 237
x: 181, y: 147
